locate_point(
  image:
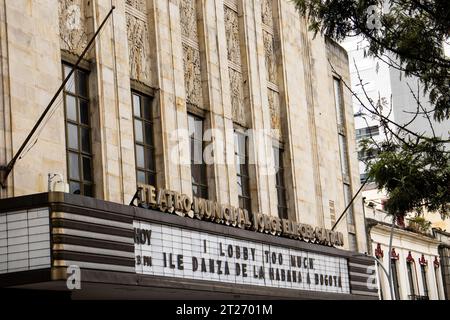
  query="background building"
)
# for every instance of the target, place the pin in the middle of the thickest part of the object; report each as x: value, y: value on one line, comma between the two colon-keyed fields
x: 417, y: 264
x: 162, y: 74
x: 386, y: 85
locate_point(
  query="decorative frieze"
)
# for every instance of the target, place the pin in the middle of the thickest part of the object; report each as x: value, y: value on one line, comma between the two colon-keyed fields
x: 237, y: 96
x: 139, y: 5
x: 271, y: 59
x: 192, y: 75
x: 232, y: 35
x: 271, y: 63
x: 267, y: 13
x: 188, y: 17
x: 138, y: 41
x: 72, y: 25
x: 191, y: 53
x: 275, y: 113
x: 235, y: 62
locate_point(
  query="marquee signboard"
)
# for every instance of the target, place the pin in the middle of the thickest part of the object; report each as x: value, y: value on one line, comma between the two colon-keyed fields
x: 173, y: 202
x: 167, y: 251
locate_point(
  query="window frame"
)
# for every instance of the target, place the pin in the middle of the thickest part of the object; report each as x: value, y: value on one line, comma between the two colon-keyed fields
x: 147, y: 171
x: 283, y: 211
x: 395, y: 280
x: 203, y: 186
x: 424, y: 272
x: 241, y: 177
x: 80, y: 153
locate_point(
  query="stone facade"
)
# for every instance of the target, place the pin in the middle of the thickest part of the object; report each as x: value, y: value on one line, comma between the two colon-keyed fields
x: 244, y: 64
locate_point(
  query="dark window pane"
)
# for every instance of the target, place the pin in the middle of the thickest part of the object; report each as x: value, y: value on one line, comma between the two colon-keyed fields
x: 85, y: 140
x: 245, y: 186
x: 138, y: 131
x: 71, y: 108
x: 280, y: 178
x: 247, y: 205
x: 74, y: 167
x: 84, y: 112
x: 136, y: 105
x: 88, y: 190
x: 141, y: 177
x: 149, y: 160
x: 205, y: 194
x: 243, y: 169
x: 70, y: 85
x: 74, y: 187
x: 281, y: 193
x: 82, y: 89
x: 148, y: 134
x: 140, y: 157
x: 147, y: 108
x: 72, y: 135
x: 151, y: 179
x: 87, y: 169
x: 196, y: 174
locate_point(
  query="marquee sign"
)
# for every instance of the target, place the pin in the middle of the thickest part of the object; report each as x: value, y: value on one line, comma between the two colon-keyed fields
x: 166, y: 251
x: 174, y: 202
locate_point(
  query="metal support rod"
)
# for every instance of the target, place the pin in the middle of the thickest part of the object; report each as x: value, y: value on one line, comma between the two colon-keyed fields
x: 350, y: 204
x: 5, y: 171
x: 391, y: 284
x: 379, y: 263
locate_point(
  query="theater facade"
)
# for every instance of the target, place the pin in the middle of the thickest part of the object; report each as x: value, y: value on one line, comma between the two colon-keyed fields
x: 100, y: 250
x: 199, y: 149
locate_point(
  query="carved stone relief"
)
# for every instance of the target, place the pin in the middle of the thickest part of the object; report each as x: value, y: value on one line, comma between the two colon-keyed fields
x: 267, y: 13
x: 232, y: 36
x: 270, y: 57
x: 72, y: 25
x: 139, y: 5
x: 188, y: 16
x: 192, y: 76
x: 191, y: 53
x: 237, y: 97
x: 275, y: 112
x: 139, y: 49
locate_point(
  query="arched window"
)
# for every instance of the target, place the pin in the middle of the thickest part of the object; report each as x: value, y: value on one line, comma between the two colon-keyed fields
x: 394, y: 272
x: 411, y: 269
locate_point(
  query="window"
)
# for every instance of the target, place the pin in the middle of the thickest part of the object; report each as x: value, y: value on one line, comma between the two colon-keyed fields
x: 368, y: 132
x: 78, y: 133
x: 143, y: 139
x: 243, y: 179
x: 198, y: 166
x: 344, y: 159
x: 339, y: 103
x: 343, y: 147
x: 412, y: 290
x: 395, y: 279
x: 423, y: 269
x: 363, y: 177
x: 280, y: 185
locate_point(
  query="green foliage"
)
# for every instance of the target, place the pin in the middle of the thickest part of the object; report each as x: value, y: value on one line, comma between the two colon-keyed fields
x: 415, y: 174
x: 420, y: 224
